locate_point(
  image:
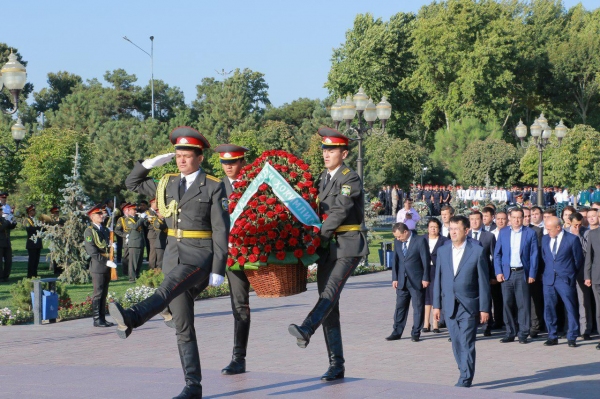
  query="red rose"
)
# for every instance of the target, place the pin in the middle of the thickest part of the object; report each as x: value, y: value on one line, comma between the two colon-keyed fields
x: 253, y: 258
x: 283, y: 216
x: 233, y: 251
x: 271, y: 201
x: 280, y: 245
x: 288, y: 227
x: 292, y: 159
x: 253, y: 203
x: 230, y: 262
x: 293, y: 242
x: 310, y: 250
x: 244, y: 250
x: 252, y: 230
x: 252, y: 216
x: 253, y: 240
x: 293, y: 175
x: 316, y: 241
x: 294, y: 232
x: 307, y: 175
x: 279, y: 208
x: 261, y: 209
x: 241, y: 260
x: 284, y: 234
x: 298, y: 253
x: 280, y: 255
x: 272, y: 234
x: 239, y: 241
x: 316, y: 230
x: 324, y: 216
x: 267, y: 248
x: 263, y: 239
x: 256, y: 250
x: 262, y: 198
x: 304, y: 166
x: 305, y: 196
x: 313, y: 190
x: 307, y: 238
x: 270, y: 214
x: 231, y: 239
x: 261, y: 221
x: 263, y: 258
x: 247, y: 226
x: 263, y: 187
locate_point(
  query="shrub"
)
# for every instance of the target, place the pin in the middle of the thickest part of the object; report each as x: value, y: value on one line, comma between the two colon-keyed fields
x: 21, y: 294
x: 151, y: 278
x: 136, y: 295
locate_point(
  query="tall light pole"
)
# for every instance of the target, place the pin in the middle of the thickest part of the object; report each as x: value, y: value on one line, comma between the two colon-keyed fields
x: 541, y: 133
x: 151, y: 55
x: 13, y: 76
x: 424, y: 169
x: 367, y: 112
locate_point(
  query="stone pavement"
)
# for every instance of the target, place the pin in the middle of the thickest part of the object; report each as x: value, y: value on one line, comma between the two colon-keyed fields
x: 75, y: 360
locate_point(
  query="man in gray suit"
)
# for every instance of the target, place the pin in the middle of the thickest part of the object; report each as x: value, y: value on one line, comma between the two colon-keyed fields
x: 462, y: 289
x: 410, y: 277
x: 591, y: 269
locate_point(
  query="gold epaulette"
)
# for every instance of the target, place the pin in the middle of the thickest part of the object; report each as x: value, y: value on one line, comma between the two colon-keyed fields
x: 345, y: 171
x: 213, y: 178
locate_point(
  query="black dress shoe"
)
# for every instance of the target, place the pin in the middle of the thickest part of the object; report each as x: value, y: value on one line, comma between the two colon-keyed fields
x: 236, y: 366
x: 426, y: 329
x: 122, y: 318
x: 436, y: 330
x: 572, y: 344
x: 190, y: 392
x: 523, y: 340
x: 534, y: 334
x: 487, y: 332
x: 507, y: 339
x: 551, y: 342
x: 415, y: 338
x: 333, y: 373
x: 393, y: 337
x: 598, y: 347
x: 586, y: 337
x: 102, y: 323
x: 449, y: 339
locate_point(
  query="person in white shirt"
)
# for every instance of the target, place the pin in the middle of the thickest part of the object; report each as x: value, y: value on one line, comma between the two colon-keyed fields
x: 446, y: 213
x: 401, y: 216
x: 501, y: 222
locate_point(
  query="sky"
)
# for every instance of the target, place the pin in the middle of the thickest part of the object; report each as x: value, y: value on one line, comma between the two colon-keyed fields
x: 290, y: 42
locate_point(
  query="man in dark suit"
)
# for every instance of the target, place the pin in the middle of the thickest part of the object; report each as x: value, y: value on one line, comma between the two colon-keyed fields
x: 516, y: 264
x: 488, y: 214
x: 462, y: 289
x: 563, y: 257
x: 410, y: 277
x: 536, y: 289
x: 488, y: 242
x: 343, y: 244
x: 591, y: 268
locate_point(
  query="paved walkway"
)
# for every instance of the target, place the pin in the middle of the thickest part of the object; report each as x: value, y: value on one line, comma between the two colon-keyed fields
x: 74, y: 360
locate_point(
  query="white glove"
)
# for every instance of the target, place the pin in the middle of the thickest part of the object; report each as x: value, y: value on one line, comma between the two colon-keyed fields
x: 142, y: 215
x: 114, y: 245
x: 127, y: 239
x: 215, y: 280
x: 111, y: 264
x: 158, y: 161
x: 10, y: 217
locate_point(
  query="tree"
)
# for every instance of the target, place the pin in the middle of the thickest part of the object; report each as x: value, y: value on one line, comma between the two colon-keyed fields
x: 10, y: 165
x: 492, y: 157
x: 60, y: 85
x: 576, y: 163
x: 451, y: 144
x: 47, y: 162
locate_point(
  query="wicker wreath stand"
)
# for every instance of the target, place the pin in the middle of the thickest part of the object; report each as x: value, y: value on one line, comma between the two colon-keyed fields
x: 274, y: 281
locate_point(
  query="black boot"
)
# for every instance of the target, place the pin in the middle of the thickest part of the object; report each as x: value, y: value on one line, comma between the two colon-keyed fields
x: 190, y: 362
x: 137, y: 315
x: 311, y: 323
x: 240, y: 342
x: 102, y: 314
x: 333, y: 339
x: 96, y: 312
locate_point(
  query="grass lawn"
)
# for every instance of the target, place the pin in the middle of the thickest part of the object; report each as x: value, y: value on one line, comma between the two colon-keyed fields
x: 78, y: 293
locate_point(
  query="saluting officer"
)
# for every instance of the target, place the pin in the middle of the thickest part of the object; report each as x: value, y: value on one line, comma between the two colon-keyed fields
x: 97, y: 246
x: 196, y: 210
x: 232, y: 162
x: 34, y: 247
x: 343, y: 242
x: 130, y: 228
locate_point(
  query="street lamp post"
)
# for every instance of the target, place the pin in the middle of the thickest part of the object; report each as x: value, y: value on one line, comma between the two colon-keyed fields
x: 424, y: 169
x: 541, y: 133
x: 18, y: 134
x: 13, y: 76
x: 151, y: 55
x: 367, y: 112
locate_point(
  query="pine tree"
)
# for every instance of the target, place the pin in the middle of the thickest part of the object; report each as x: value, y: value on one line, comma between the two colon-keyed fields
x: 66, y: 237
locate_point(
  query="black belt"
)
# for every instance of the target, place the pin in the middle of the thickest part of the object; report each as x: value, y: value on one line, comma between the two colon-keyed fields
x: 516, y: 269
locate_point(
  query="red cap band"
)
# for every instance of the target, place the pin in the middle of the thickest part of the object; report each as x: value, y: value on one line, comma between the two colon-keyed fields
x: 188, y: 142
x: 334, y: 141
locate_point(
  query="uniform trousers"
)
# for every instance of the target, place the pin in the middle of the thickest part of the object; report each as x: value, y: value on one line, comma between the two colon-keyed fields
x: 100, y: 283
x: 239, y: 288
x: 517, y: 305
x: 136, y: 257
x: 152, y: 256
x: 462, y: 327
x: 5, y: 262
x: 33, y: 261
x: 160, y: 253
x: 125, y: 260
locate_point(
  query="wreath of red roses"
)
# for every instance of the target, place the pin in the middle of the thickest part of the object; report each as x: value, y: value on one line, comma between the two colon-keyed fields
x: 266, y: 228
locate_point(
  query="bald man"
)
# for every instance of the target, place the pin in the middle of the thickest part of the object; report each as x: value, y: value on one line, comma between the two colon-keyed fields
x: 563, y: 257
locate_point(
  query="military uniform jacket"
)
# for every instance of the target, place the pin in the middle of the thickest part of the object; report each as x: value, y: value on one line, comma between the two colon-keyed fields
x: 202, y: 208
x: 228, y: 186
x: 152, y: 233
x: 159, y: 226
x: 5, y: 228
x: 97, y: 246
x: 32, y: 230
x: 342, y: 200
x: 134, y: 226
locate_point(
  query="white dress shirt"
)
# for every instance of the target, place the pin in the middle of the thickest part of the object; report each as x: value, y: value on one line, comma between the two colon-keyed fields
x: 189, y: 179
x: 559, y: 238
x: 515, y: 247
x: 457, y: 254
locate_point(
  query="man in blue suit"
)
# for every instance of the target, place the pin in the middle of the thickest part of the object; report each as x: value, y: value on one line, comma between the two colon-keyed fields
x: 462, y: 289
x: 563, y: 257
x: 516, y: 264
x: 410, y: 277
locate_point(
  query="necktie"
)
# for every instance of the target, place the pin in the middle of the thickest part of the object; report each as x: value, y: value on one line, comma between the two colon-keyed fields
x: 327, y: 179
x: 404, y: 249
x: 476, y: 233
x: 555, y: 247
x: 182, y: 187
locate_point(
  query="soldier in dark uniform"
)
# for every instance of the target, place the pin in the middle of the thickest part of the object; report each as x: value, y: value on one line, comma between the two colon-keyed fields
x: 427, y: 194
x: 56, y: 220
x: 446, y: 195
x: 343, y: 244
x: 130, y: 228
x: 7, y: 223
x: 195, y: 207
x: 419, y: 193
x: 142, y: 209
x: 159, y: 225
x: 151, y: 234
x: 436, y: 196
x: 34, y: 247
x: 97, y: 246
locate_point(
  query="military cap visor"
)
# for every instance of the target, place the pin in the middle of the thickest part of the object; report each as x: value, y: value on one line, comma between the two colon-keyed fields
x: 30, y: 208
x: 331, y: 138
x: 95, y: 209
x: 185, y: 137
x: 3, y: 194
x: 230, y: 153
x: 54, y: 209
x: 127, y: 206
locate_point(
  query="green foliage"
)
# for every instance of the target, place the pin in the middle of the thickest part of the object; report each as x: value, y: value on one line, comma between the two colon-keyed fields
x: 451, y: 143
x: 576, y: 163
x: 492, y: 157
x: 21, y: 294
x: 60, y: 85
x: 151, y: 278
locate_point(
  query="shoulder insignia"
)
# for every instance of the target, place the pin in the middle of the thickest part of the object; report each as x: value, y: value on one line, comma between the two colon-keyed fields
x: 225, y: 204
x: 345, y: 191
x: 213, y: 178
x: 345, y: 171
